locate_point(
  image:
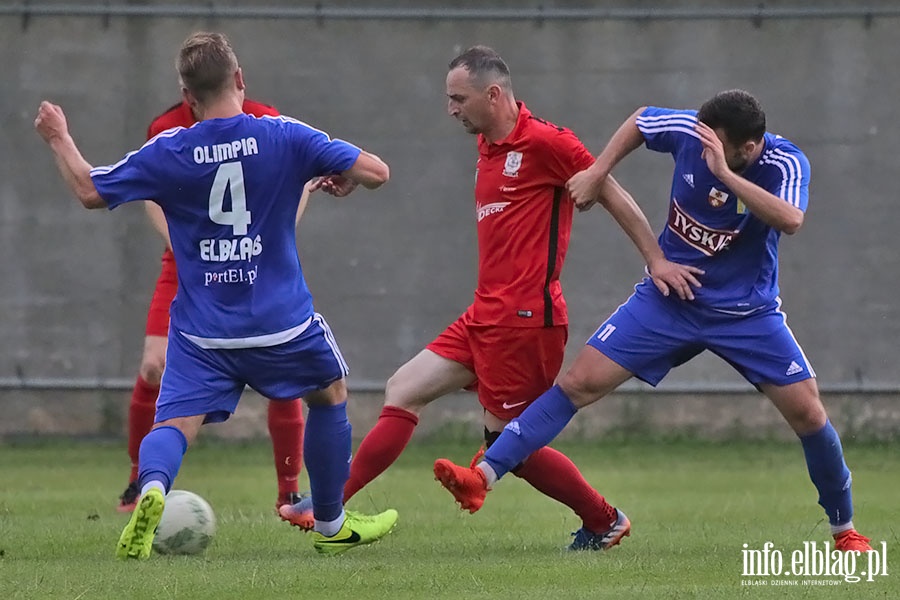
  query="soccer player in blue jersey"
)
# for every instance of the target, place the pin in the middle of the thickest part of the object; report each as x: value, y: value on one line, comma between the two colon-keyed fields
x: 735, y: 189
x: 243, y: 315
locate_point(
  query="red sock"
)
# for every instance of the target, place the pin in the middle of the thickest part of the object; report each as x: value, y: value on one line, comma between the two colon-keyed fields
x: 380, y: 448
x: 554, y: 474
x: 286, y: 430
x: 141, y: 411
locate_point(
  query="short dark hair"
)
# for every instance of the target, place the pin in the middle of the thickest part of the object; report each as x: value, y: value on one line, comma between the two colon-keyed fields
x: 484, y: 63
x: 736, y: 112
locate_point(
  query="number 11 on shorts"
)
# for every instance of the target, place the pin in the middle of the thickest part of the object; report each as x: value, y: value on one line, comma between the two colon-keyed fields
x: 605, y: 332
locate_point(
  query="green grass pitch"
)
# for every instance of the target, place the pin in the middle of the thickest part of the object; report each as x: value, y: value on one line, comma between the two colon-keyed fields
x: 692, y: 504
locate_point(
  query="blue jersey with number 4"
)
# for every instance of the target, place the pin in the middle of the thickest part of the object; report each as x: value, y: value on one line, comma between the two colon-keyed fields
x: 230, y: 189
x: 708, y: 225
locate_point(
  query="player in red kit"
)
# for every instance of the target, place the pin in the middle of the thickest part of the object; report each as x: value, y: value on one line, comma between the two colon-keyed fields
x: 509, y: 344
x: 285, y: 419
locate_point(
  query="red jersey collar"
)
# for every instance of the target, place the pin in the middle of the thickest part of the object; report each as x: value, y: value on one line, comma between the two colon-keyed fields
x: 514, y: 135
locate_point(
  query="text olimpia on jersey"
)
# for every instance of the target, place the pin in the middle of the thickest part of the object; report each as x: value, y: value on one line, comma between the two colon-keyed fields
x: 709, y: 227
x: 230, y: 189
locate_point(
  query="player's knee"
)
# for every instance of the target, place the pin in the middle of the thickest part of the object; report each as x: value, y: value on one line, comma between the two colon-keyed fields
x: 334, y: 394
x: 807, y: 419
x: 151, y: 369
x: 579, y: 387
x: 399, y: 393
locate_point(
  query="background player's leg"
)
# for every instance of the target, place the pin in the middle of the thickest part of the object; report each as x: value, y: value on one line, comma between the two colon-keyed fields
x: 285, y: 420
x: 142, y: 409
x: 801, y: 406
x: 426, y: 377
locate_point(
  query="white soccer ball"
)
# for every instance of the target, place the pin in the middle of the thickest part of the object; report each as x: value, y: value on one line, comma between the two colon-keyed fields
x: 187, y: 526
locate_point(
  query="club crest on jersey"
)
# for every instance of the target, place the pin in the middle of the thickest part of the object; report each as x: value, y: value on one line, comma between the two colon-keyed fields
x: 513, y: 162
x: 717, y: 198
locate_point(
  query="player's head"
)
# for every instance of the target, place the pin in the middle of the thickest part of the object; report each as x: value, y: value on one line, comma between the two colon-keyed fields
x: 739, y: 120
x: 478, y: 82
x: 208, y: 69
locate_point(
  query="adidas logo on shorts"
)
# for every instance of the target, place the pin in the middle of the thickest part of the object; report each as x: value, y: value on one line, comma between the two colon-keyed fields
x: 794, y: 368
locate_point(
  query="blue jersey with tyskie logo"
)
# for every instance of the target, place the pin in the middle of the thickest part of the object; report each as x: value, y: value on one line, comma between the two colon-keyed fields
x: 709, y: 227
x: 230, y: 189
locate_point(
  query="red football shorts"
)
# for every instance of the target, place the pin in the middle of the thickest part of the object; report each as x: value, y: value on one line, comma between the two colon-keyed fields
x: 166, y: 286
x: 513, y: 365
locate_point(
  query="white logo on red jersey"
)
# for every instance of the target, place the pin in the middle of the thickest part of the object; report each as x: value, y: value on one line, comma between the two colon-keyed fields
x: 490, y: 209
x: 513, y: 162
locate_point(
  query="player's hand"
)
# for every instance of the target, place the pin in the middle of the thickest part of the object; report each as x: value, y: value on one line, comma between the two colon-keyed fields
x: 50, y: 122
x: 668, y: 276
x: 713, y: 150
x: 336, y: 185
x: 584, y: 188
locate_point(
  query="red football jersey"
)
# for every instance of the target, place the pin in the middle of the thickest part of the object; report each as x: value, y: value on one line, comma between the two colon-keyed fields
x: 524, y: 222
x: 181, y: 115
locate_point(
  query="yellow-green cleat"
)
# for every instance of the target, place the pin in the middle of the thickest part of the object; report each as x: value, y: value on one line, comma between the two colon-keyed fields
x: 357, y: 530
x: 136, y: 540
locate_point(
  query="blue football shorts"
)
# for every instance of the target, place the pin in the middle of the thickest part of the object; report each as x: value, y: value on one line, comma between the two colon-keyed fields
x: 650, y: 334
x: 199, y: 381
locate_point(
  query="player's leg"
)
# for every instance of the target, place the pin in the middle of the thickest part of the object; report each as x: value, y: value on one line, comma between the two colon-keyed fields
x: 162, y: 451
x: 426, y: 377
x: 517, y: 365
x: 142, y: 407
x: 443, y: 367
x: 311, y: 366
x: 197, y: 386
x: 801, y: 406
x: 645, y: 337
x: 285, y: 422
x: 141, y: 411
x: 555, y: 475
x: 778, y: 366
x: 589, y: 378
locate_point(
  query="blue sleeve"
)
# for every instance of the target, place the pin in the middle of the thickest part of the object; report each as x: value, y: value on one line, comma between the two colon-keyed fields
x: 129, y: 179
x: 326, y: 156
x: 666, y: 129
x: 787, y: 174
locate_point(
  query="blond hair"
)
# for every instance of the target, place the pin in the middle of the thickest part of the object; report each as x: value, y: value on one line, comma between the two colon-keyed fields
x: 205, y: 63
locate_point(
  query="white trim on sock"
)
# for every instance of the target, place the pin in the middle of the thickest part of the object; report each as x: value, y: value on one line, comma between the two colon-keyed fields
x: 836, y: 529
x: 153, y: 484
x: 489, y: 474
x: 331, y: 528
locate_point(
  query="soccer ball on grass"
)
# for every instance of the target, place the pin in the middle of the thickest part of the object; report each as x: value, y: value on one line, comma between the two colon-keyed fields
x: 187, y: 526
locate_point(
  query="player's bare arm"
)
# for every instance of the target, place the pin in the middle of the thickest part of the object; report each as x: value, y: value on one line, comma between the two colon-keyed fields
x: 304, y: 200
x: 368, y: 170
x: 666, y: 275
x: 767, y: 207
x: 585, y: 186
x: 158, y: 220
x: 51, y: 125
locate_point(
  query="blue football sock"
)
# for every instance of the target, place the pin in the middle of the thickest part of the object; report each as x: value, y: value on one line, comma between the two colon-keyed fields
x: 533, y: 429
x: 326, y: 452
x: 160, y: 456
x: 829, y: 473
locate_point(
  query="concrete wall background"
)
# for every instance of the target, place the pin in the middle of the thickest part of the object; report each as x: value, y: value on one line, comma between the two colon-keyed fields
x: 390, y: 269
